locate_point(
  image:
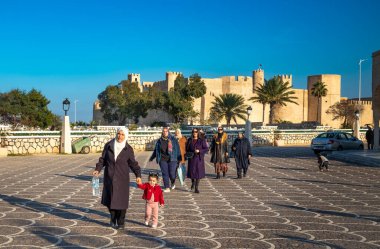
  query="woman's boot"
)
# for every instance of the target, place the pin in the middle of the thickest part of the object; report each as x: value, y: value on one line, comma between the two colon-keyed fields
x: 192, y: 184
x: 196, y: 186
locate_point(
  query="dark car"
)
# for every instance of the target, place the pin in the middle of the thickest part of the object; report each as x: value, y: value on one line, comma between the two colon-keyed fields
x: 336, y: 140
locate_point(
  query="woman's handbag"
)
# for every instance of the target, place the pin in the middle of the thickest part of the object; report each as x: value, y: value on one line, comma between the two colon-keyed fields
x: 189, y: 155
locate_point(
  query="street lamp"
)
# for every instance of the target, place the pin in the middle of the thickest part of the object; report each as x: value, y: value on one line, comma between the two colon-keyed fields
x: 248, y: 127
x: 357, y: 114
x: 249, y: 111
x: 66, y: 105
x: 357, y: 124
x: 360, y: 77
x: 66, y: 133
x: 75, y: 111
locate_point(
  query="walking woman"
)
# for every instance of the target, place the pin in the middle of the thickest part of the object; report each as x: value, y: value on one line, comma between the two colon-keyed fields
x: 242, y: 150
x: 197, y: 148
x: 167, y: 154
x: 117, y: 158
x: 182, y: 146
x: 219, y: 152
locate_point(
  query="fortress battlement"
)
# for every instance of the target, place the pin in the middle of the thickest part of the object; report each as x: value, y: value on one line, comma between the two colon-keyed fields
x: 148, y: 84
x: 361, y: 102
x: 285, y: 76
x: 174, y: 73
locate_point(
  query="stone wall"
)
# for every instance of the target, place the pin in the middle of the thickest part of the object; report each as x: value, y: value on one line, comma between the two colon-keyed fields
x: 18, y: 143
x: 49, y: 142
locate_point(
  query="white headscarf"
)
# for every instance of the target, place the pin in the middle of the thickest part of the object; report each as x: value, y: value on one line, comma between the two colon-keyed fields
x: 179, y: 136
x: 119, y: 146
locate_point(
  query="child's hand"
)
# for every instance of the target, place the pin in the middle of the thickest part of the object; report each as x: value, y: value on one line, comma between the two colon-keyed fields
x: 138, y: 180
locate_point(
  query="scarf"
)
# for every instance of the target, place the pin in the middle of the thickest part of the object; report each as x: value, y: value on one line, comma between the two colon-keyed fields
x: 119, y: 146
x: 170, y: 145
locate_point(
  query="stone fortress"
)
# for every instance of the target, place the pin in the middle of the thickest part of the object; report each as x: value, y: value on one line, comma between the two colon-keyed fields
x: 305, y: 111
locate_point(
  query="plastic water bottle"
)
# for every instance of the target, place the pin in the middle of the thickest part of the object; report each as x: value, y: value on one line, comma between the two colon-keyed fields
x: 95, y: 186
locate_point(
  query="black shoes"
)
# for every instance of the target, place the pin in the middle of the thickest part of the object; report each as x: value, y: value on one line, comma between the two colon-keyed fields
x: 196, y: 191
x: 239, y: 177
x: 224, y: 174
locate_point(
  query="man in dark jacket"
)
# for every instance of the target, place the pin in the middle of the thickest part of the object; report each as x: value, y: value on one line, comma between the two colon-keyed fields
x: 242, y: 150
x: 117, y: 158
x: 167, y: 154
x: 369, y: 136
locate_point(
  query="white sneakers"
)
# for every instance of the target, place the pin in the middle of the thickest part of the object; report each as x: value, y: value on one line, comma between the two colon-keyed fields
x: 167, y: 190
x: 147, y: 224
x: 173, y: 186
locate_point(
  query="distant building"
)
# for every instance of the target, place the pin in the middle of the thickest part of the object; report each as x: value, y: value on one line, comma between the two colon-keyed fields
x: 305, y: 111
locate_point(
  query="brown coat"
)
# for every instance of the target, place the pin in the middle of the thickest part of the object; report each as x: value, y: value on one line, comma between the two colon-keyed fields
x: 218, y: 149
x: 116, y: 175
x: 182, y: 146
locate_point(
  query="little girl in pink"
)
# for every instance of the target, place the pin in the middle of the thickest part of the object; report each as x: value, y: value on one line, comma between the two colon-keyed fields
x: 153, y: 196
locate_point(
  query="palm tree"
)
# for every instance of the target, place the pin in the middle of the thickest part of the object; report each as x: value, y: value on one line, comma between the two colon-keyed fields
x: 261, y: 98
x: 319, y: 90
x: 229, y: 106
x: 278, y: 93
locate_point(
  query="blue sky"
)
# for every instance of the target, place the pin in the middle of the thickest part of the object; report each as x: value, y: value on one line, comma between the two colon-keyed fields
x: 76, y: 48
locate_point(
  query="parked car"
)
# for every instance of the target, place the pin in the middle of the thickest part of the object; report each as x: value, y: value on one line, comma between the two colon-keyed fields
x: 336, y: 140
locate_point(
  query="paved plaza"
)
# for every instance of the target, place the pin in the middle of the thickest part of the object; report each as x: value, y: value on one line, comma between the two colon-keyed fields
x: 284, y: 202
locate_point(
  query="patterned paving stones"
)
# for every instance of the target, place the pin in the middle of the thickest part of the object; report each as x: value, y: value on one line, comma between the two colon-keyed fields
x: 284, y: 202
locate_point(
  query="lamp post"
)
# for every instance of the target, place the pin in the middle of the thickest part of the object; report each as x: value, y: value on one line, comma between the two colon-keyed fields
x: 66, y: 105
x: 75, y: 111
x: 360, y: 76
x: 65, y: 134
x: 357, y: 124
x: 248, y: 128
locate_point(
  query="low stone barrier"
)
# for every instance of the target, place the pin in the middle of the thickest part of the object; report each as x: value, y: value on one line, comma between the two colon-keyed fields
x: 16, y: 143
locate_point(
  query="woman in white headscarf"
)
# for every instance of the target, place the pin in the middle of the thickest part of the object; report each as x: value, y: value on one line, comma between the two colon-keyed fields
x: 117, y: 158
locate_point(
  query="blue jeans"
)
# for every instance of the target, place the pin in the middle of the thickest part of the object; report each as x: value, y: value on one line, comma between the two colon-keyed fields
x: 168, y: 170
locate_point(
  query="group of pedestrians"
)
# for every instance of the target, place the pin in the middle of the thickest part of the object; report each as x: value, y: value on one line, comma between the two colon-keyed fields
x: 171, y: 151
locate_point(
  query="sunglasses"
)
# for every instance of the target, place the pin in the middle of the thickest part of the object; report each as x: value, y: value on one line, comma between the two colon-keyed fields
x: 195, y: 131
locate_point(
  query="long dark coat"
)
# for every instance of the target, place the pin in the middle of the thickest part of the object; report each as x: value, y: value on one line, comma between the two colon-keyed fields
x: 369, y: 136
x: 241, y: 149
x: 218, y: 149
x: 196, y: 165
x: 116, y: 175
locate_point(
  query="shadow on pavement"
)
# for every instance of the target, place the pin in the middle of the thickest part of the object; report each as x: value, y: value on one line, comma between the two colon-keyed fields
x: 324, y: 182
x: 37, y: 207
x: 333, y: 213
x: 312, y: 242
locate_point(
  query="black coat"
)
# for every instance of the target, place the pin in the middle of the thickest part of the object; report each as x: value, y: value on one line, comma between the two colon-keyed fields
x: 369, y: 136
x: 242, y: 149
x: 116, y: 175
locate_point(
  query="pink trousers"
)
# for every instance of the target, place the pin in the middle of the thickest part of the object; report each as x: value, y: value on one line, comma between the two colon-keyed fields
x: 151, y: 209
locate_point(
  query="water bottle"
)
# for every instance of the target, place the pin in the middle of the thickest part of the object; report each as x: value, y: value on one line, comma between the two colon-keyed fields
x: 95, y: 186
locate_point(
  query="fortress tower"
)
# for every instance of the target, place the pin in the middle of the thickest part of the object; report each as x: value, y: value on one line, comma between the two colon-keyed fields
x: 287, y: 78
x: 257, y: 78
x: 332, y: 82
x: 135, y: 77
x: 170, y: 78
